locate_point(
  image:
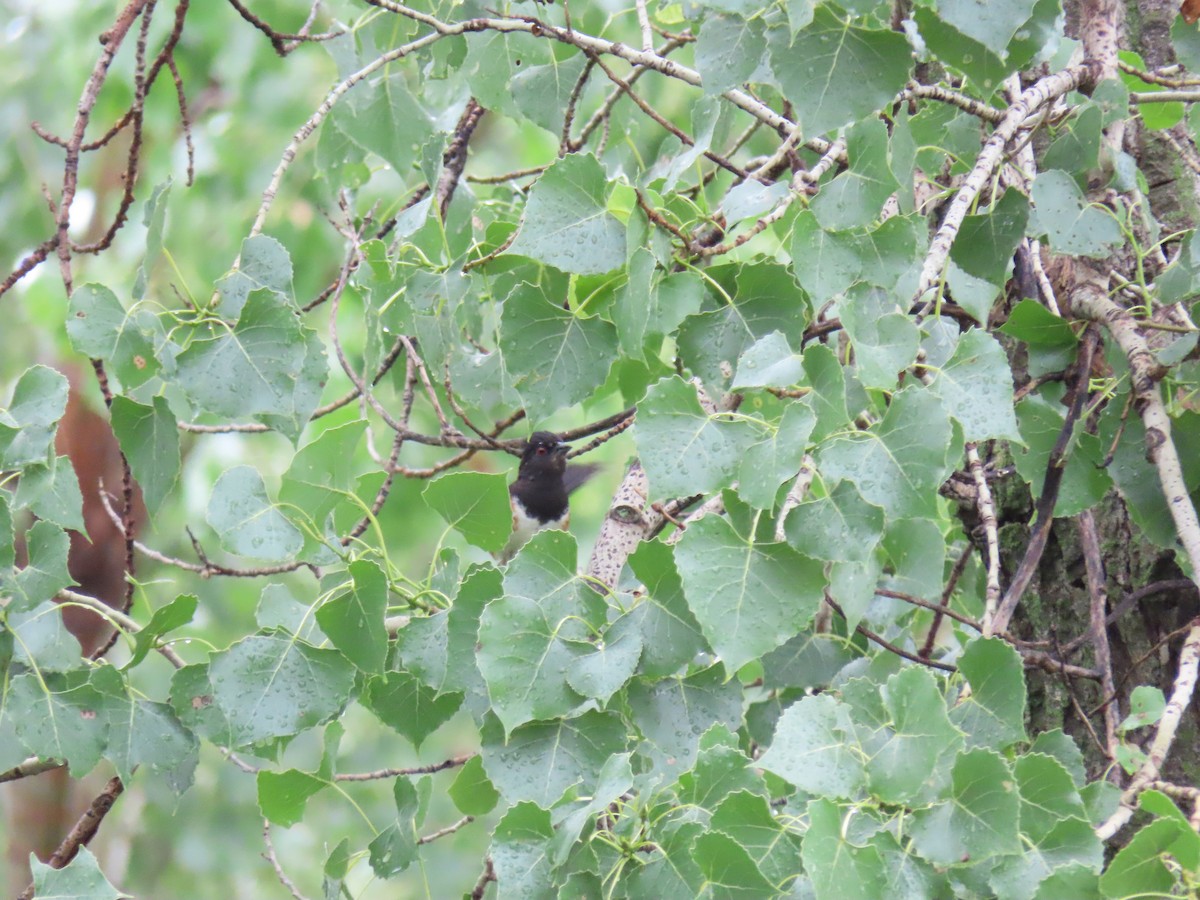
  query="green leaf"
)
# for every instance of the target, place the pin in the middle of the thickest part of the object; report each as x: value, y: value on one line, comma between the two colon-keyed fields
x: 673, y: 713
x: 807, y: 660
x: 440, y: 649
x: 705, y: 116
x: 493, y: 58
x: 385, y: 119
x: 566, y: 223
x: 393, y: 850
x: 1137, y: 480
x: 828, y: 390
x: 992, y: 24
x: 472, y: 791
x: 1075, y: 881
x: 752, y: 199
x: 555, y: 356
x: 353, y: 621
x: 979, y: 820
x: 885, y: 340
x: 166, y: 618
x: 337, y: 864
x: 59, y: 717
x: 670, y: 871
x: 836, y: 73
x: 976, y: 387
x: 98, y: 326
x: 154, y: 218
x: 986, y: 242
x: 1037, y: 326
x: 748, y: 598
x: 1146, y: 706
x: 671, y: 636
x: 855, y: 197
x: 684, y: 450
x: 1061, y: 747
x: 1071, y: 842
x: 80, y: 878
x: 7, y: 551
x: 1078, y: 148
x: 1139, y: 868
x: 282, y: 796
x: 270, y: 686
x: 51, y: 492
x: 825, y: 262
x: 768, y: 362
x: 901, y: 461
x: 838, y: 867
x: 45, y: 571
x: 651, y: 306
x: 530, y: 638
x: 242, y: 515
x: 192, y: 699
x: 1048, y: 795
x: 1156, y: 116
x: 1073, y: 227
x: 814, y: 748
x: 729, y: 868
x: 984, y: 68
x: 728, y: 50
x: 854, y: 584
x: 888, y: 251
x: 720, y: 769
x: 613, y: 782
x: 263, y: 264
x: 764, y: 299
x: 838, y: 526
x: 279, y: 608
x: 475, y: 504
x: 906, y: 760
x: 994, y: 714
x: 602, y: 671
x: 149, y: 439
x: 27, y: 426
x: 747, y: 818
x: 409, y: 707
x: 520, y: 854
x: 542, y: 93
x: 540, y: 760
x: 269, y: 367
x: 1040, y: 36
x: 767, y: 463
x: 321, y: 475
x: 917, y: 550
x: 1187, y: 849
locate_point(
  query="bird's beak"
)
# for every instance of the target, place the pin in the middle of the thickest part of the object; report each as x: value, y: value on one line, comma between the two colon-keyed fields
x: 562, y: 449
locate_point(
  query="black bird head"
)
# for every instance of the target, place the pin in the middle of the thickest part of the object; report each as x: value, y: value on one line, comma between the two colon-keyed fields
x: 544, y: 457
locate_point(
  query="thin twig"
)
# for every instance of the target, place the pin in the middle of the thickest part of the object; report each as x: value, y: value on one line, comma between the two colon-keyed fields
x: 488, y: 874
x: 269, y: 856
x: 987, y: 514
x: 451, y: 763
x: 1049, y: 496
x: 943, y: 608
x: 443, y: 832
x: 888, y: 645
x: 1098, y: 601
x: 84, y: 829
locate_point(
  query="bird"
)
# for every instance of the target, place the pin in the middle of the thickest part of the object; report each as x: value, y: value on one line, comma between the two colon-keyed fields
x: 539, y: 495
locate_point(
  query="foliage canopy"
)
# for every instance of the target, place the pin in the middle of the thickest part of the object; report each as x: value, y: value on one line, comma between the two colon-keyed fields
x: 884, y: 298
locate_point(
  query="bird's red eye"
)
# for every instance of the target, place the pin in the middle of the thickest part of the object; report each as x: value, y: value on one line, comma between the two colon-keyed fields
x: 541, y: 451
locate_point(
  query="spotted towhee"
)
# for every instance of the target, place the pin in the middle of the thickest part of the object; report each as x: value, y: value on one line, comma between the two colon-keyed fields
x: 539, y: 495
